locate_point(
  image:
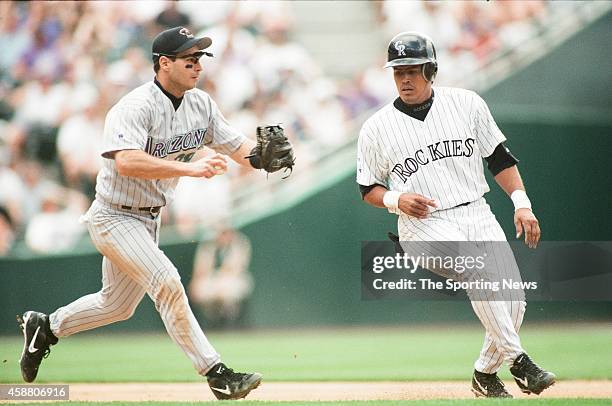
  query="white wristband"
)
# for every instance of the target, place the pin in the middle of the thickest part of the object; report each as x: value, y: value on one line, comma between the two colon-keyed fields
x: 391, y: 200
x: 520, y: 200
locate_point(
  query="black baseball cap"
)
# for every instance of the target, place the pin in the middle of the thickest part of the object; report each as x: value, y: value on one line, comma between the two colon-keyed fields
x: 176, y: 40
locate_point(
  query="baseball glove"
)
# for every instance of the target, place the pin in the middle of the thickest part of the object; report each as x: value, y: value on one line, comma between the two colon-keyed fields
x: 273, y: 150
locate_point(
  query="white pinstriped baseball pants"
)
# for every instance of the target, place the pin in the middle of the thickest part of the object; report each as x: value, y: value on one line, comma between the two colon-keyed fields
x: 134, y: 265
x: 501, y: 319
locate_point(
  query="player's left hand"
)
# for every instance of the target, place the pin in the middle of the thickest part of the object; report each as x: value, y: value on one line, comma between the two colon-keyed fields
x: 524, y: 219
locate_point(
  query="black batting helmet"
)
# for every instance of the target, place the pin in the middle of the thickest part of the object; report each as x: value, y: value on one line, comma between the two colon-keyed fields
x: 413, y: 48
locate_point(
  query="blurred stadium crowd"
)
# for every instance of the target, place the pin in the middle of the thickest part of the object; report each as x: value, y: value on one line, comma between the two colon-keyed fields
x: 64, y: 64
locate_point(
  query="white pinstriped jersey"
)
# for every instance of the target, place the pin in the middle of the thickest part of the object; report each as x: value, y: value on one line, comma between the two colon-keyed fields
x: 439, y: 158
x: 145, y: 119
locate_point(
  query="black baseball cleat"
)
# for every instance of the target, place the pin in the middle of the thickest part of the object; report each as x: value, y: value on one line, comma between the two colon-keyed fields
x: 37, y: 338
x: 488, y: 386
x: 227, y: 384
x: 529, y: 377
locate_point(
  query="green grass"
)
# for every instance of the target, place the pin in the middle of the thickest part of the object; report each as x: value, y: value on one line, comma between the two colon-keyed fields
x: 474, y: 402
x: 365, y: 354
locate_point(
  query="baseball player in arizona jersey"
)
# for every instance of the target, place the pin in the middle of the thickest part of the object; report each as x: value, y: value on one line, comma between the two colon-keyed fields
x: 152, y: 136
x: 420, y: 157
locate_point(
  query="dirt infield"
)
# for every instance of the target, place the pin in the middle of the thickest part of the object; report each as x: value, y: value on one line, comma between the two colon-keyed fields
x: 329, y: 391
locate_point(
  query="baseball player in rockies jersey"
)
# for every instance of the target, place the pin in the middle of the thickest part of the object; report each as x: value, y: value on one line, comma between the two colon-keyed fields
x: 420, y: 157
x: 152, y: 136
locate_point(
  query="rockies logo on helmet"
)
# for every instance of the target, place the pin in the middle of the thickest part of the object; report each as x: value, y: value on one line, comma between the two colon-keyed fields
x: 400, y: 48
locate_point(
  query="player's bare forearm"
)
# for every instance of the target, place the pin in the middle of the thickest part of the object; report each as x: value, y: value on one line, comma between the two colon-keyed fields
x: 139, y: 164
x: 375, y: 196
x: 510, y: 180
x: 244, y: 150
x: 524, y: 220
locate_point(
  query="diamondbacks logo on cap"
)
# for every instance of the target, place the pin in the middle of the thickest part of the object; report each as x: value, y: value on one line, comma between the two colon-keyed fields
x: 400, y: 48
x: 186, y: 32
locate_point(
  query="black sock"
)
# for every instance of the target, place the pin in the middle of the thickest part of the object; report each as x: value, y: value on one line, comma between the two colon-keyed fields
x: 50, y: 336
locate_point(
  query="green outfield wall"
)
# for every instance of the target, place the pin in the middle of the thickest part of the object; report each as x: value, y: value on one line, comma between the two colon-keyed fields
x: 306, y: 260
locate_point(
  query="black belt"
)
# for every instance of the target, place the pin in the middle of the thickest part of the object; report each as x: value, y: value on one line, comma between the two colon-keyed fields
x: 462, y: 204
x: 150, y: 209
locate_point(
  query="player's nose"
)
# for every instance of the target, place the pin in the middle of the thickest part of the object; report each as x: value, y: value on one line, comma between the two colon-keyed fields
x: 406, y: 78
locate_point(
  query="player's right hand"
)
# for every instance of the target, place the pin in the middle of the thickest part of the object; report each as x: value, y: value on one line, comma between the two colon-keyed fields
x: 415, y: 205
x: 209, y: 166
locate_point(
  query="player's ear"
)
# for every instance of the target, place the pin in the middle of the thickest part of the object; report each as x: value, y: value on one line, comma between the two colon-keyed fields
x: 164, y: 63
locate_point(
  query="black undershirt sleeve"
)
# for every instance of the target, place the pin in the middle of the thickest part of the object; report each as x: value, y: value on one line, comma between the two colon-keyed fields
x: 500, y: 159
x: 364, y: 190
